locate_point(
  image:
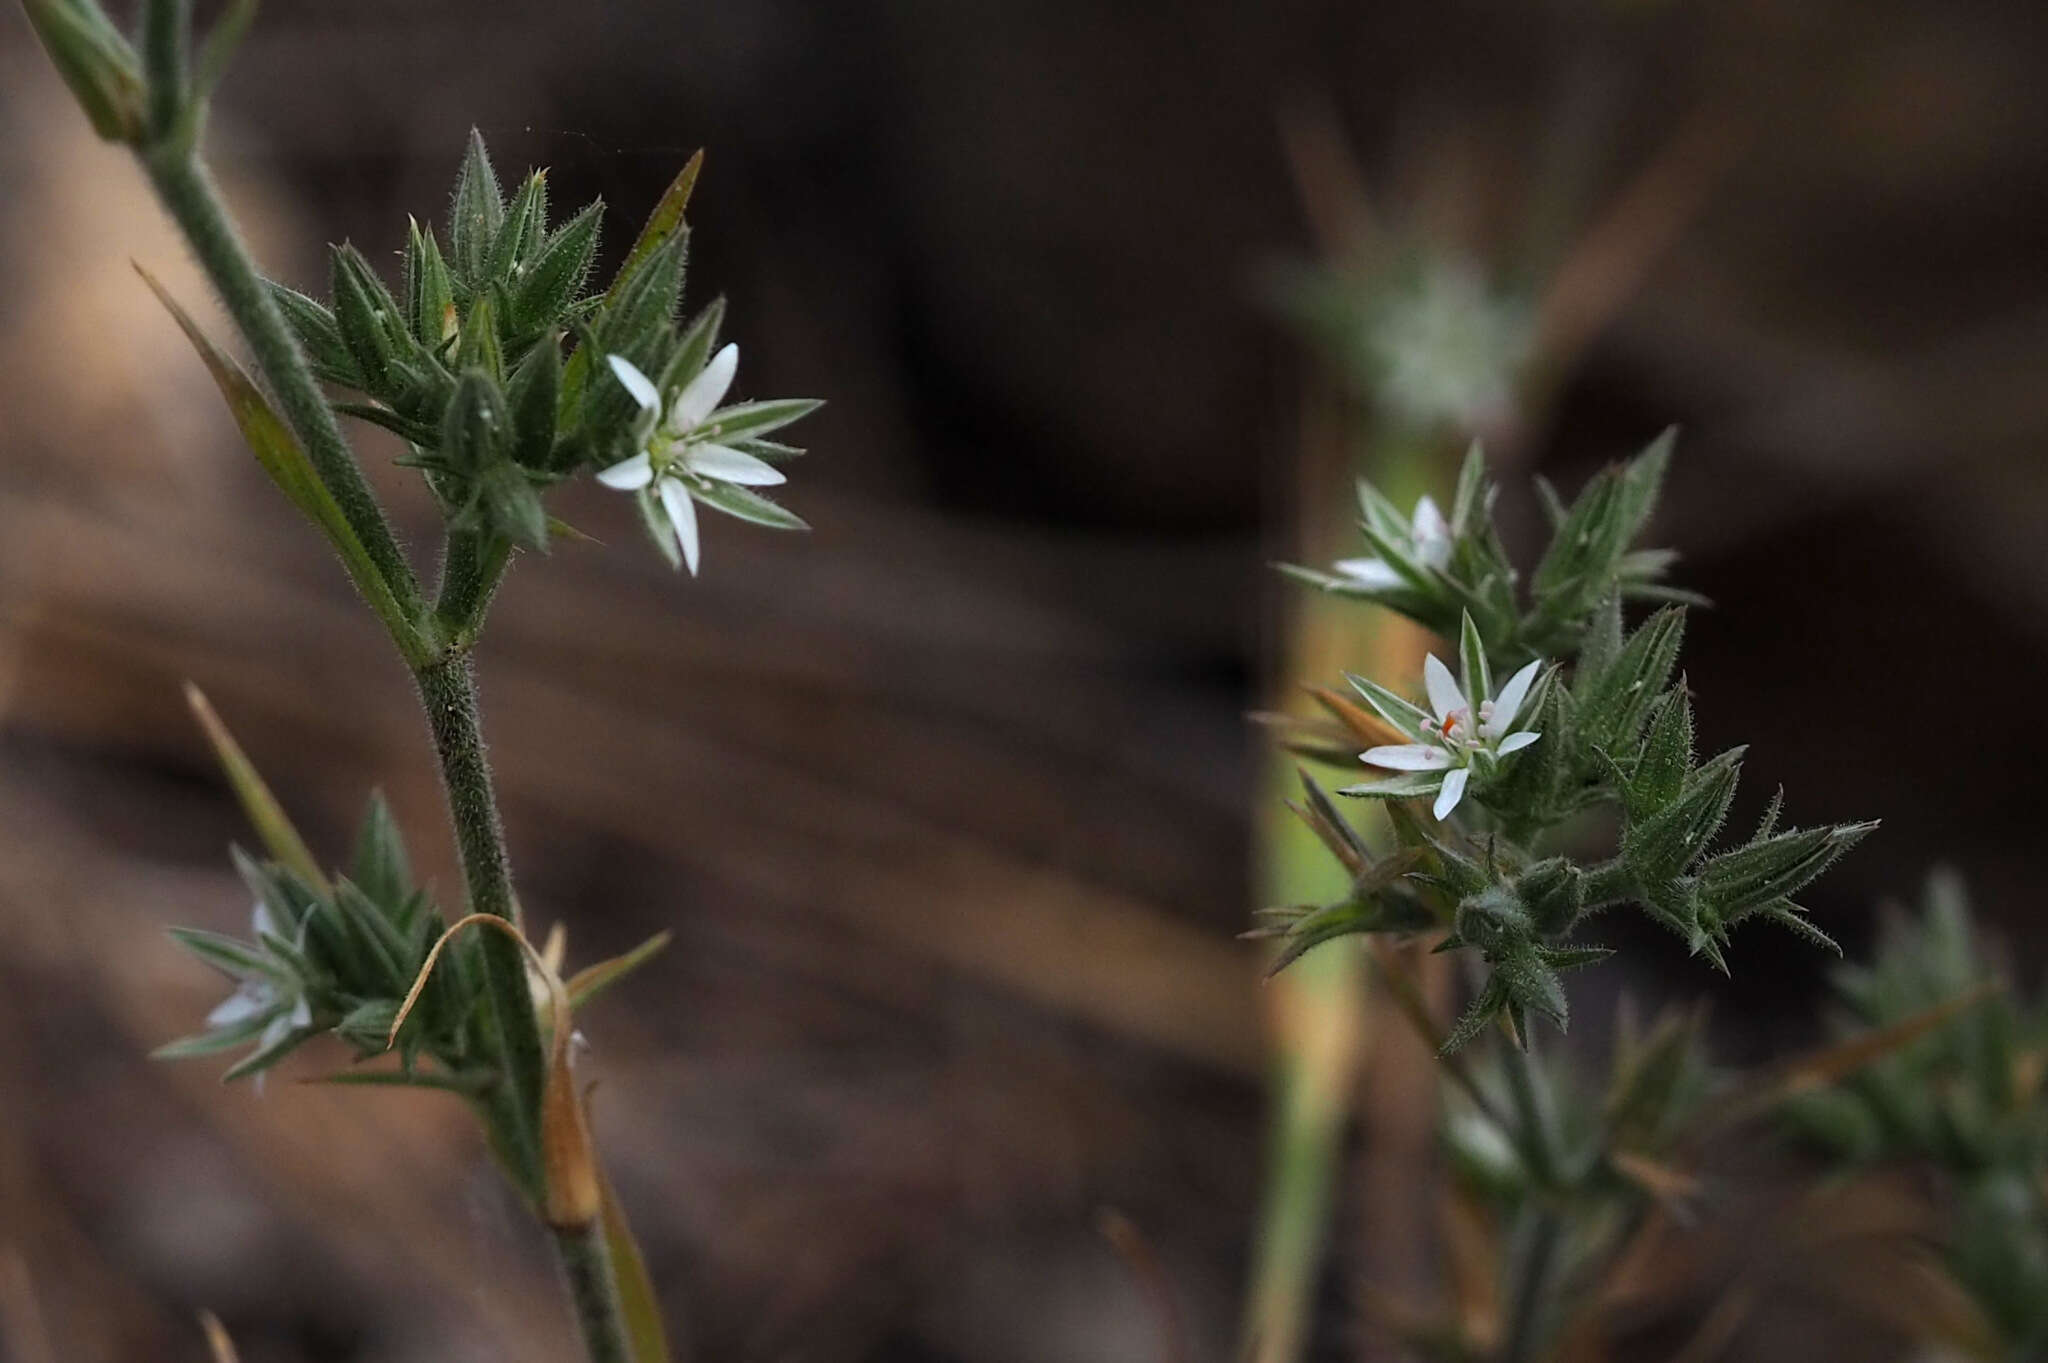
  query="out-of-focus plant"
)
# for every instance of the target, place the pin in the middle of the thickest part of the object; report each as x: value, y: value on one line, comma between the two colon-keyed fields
x: 506, y: 374
x: 1965, y: 1103
x: 1557, y: 705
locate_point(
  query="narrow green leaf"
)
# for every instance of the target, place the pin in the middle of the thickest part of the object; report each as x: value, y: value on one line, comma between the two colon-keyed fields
x: 587, y: 983
x: 664, y: 222
x: 646, y: 1336
x: 278, y: 451
x: 259, y: 806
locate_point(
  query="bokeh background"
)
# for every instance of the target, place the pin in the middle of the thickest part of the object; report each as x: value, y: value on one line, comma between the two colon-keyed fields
x: 950, y: 803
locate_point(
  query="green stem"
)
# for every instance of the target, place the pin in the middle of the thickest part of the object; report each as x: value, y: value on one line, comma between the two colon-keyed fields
x: 448, y: 691
x: 1608, y: 884
x: 1535, y: 1117
x: 1535, y: 1270
x: 166, y: 60
x: 471, y: 570
x: 189, y: 195
x: 511, y: 1108
x: 593, y: 1291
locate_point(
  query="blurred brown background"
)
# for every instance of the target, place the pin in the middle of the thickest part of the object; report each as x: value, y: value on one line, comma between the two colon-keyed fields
x: 948, y: 802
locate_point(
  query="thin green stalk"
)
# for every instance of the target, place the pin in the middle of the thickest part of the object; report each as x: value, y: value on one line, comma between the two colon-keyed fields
x: 194, y: 203
x: 471, y: 570
x: 593, y: 1291
x: 448, y: 692
x: 1535, y: 1271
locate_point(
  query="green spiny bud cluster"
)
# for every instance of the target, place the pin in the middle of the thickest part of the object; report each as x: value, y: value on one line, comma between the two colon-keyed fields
x: 339, y: 956
x: 1593, y: 717
x: 498, y: 366
x: 1963, y: 1098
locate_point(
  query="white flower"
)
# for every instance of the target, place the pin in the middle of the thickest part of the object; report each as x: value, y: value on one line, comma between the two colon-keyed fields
x: 1429, y: 543
x: 680, y: 454
x: 1457, y: 733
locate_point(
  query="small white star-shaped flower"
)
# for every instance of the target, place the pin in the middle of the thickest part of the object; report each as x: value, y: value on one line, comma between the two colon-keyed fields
x: 680, y: 453
x: 1429, y: 543
x: 1460, y: 733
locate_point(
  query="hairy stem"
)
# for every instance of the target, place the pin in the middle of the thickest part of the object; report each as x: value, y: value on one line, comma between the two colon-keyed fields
x: 471, y: 569
x: 193, y: 201
x: 593, y: 1291
x: 448, y: 691
x: 511, y: 1108
x: 1608, y: 884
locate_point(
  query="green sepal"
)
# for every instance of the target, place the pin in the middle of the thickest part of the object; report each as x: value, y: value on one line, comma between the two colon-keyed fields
x: 380, y: 864
x: 746, y: 419
x: 319, y: 336
x: 235, y: 959
x: 475, y: 214
x: 532, y: 397
x: 551, y: 280
x: 524, y: 226
x: 429, y: 289
x: 748, y: 505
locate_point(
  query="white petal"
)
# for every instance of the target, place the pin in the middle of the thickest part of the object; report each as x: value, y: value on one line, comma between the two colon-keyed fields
x: 1517, y: 742
x: 638, y: 384
x: 628, y: 475
x: 239, y: 1006
x: 1444, y: 693
x: 1374, y: 573
x: 261, y: 921
x: 1453, y: 791
x: 1429, y: 526
x: 682, y: 514
x: 729, y: 465
x: 1510, y: 699
x: 1406, y: 757
x: 701, y: 396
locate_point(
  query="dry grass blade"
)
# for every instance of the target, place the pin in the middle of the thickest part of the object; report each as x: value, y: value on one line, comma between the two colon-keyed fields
x: 222, y: 1347
x: 1138, y: 1255
x: 1368, y: 728
x: 1825, y: 1065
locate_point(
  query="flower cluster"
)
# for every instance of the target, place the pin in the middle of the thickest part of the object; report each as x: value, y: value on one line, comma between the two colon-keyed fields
x: 505, y: 376
x: 1591, y: 714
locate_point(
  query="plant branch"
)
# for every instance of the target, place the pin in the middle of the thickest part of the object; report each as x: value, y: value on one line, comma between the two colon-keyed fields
x: 190, y: 196
x: 448, y: 691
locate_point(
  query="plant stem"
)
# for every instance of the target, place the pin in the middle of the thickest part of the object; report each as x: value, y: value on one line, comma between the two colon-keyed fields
x: 448, y: 692
x: 1536, y: 1118
x: 471, y: 569
x: 593, y: 1292
x: 193, y: 201
x: 1608, y: 884
x: 1533, y: 1281
x: 441, y: 667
